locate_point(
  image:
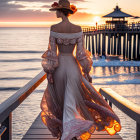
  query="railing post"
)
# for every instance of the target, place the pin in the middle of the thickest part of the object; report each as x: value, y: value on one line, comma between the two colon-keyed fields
x: 2, y: 130
x: 7, y: 135
x: 137, y: 131
x: 110, y: 103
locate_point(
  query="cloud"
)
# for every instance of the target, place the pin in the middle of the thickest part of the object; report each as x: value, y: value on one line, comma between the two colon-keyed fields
x: 82, y: 17
x: 15, y: 11
x: 27, y: 15
x: 31, y: 10
x: 45, y: 6
x: 44, y: 1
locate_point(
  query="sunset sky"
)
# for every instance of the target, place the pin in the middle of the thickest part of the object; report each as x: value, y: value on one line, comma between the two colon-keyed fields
x: 35, y: 13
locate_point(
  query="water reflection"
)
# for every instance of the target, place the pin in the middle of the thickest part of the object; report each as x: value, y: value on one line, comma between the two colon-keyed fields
x: 20, y: 62
x: 120, y: 79
x: 125, y: 81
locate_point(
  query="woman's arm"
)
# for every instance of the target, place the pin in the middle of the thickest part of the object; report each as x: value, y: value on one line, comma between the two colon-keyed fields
x: 50, y: 58
x: 84, y: 57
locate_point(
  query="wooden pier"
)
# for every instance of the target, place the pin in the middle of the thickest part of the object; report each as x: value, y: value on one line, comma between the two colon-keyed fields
x: 38, y: 131
x: 109, y: 39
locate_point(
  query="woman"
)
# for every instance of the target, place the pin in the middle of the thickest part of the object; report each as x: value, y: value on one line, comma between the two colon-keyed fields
x: 71, y: 106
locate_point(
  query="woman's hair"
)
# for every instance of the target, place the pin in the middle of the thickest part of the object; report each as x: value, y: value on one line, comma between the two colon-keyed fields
x: 66, y: 12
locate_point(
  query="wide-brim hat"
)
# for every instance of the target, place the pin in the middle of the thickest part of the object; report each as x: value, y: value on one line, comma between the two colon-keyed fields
x: 62, y: 4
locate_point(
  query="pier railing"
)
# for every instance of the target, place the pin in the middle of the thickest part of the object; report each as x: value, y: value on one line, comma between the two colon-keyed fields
x: 114, y: 39
x: 104, y: 28
x: 15, y: 100
x: 126, y: 106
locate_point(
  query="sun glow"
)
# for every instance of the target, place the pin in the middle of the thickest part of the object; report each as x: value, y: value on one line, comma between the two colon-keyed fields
x: 25, y: 24
x: 96, y: 19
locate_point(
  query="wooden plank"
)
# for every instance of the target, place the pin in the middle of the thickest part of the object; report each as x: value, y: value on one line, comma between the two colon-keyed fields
x: 92, y: 136
x: 77, y: 139
x: 38, y: 131
x: 57, y: 139
x: 46, y: 131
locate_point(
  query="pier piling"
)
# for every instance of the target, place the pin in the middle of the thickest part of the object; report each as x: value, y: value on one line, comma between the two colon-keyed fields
x: 107, y: 40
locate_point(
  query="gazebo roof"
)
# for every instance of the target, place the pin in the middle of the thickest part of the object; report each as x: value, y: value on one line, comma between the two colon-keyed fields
x: 117, y: 13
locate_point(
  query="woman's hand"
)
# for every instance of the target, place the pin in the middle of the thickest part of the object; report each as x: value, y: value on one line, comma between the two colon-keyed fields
x: 50, y: 78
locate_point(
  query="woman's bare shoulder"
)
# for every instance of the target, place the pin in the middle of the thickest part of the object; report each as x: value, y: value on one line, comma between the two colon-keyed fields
x: 54, y: 27
x: 62, y: 28
x: 77, y: 28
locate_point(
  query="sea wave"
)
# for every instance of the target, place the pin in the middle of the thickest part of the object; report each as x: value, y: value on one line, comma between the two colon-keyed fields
x: 28, y: 51
x: 21, y: 60
x: 116, y: 82
x: 27, y: 69
x: 117, y: 75
x: 104, y: 63
x: 16, y: 78
x: 9, y: 88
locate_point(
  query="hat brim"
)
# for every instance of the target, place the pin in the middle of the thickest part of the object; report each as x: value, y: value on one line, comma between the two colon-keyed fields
x: 56, y: 8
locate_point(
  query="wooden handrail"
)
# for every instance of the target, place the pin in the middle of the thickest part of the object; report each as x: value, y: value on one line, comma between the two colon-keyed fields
x: 129, y: 108
x: 15, y: 100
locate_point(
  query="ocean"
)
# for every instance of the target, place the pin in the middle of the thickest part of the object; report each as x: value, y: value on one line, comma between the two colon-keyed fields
x: 20, y: 61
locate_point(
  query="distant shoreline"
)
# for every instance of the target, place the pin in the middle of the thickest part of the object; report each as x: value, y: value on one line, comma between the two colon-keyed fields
x: 24, y: 27
x: 83, y: 26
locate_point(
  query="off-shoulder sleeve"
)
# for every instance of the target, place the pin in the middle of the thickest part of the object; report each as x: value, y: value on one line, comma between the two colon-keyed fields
x: 83, y: 55
x: 50, y: 57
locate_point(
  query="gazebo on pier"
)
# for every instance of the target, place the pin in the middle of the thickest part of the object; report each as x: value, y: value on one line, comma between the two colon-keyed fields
x: 118, y: 17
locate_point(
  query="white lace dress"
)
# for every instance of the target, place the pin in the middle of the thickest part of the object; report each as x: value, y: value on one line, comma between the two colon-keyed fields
x: 71, y: 106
